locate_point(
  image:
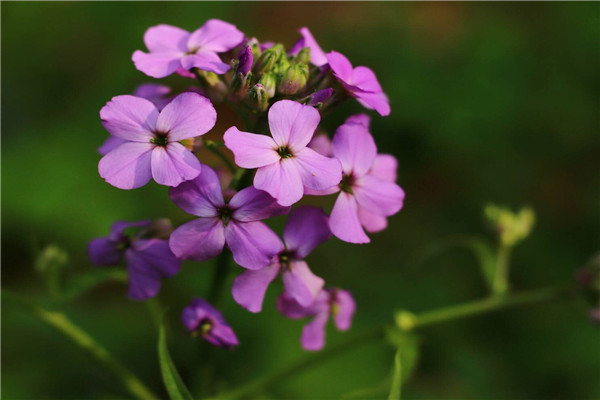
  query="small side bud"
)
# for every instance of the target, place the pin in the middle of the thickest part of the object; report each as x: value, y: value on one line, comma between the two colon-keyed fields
x: 303, y: 56
x: 259, y: 97
x: 294, y: 79
x: 511, y: 227
x: 239, y: 86
x: 269, y: 82
x: 245, y: 60
x: 318, y: 98
x: 267, y: 59
x: 405, y: 320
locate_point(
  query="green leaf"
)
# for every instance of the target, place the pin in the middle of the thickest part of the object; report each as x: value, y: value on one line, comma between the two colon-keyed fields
x: 396, y: 387
x: 173, y: 383
x: 80, y: 284
x: 409, y: 345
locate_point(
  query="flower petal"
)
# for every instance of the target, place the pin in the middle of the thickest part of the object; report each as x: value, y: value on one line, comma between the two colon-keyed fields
x: 321, y: 144
x: 157, y: 65
x: 206, y: 61
x: 147, y: 262
x: 354, y: 146
x: 186, y: 116
x: 130, y: 118
x: 174, y: 164
x: 249, y: 149
x: 281, y: 180
x: 341, y: 67
x: 253, y: 244
x: 364, y: 78
x: 118, y: 227
x: 317, y: 55
x: 127, y: 166
x: 215, y: 35
x: 199, y: 240
x: 103, y: 251
x: 251, y: 204
x: 292, y: 124
x: 385, y: 167
x: 301, y: 284
x: 249, y: 287
x: 344, y: 307
x: 318, y: 172
x: 163, y: 38
x: 378, y: 197
x: 158, y: 256
x: 157, y: 94
x: 361, y: 119
x: 371, y: 222
x: 344, y: 222
x: 306, y: 228
x: 313, y: 333
x: 201, y: 196
x: 374, y: 101
x: 111, y: 143
x: 221, y: 335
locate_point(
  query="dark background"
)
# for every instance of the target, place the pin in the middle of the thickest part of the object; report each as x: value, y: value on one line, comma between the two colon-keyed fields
x: 490, y: 103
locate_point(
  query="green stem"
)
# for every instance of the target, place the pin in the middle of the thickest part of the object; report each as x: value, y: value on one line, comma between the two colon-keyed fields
x: 213, y: 146
x: 63, y: 324
x: 500, y: 284
x: 219, y: 279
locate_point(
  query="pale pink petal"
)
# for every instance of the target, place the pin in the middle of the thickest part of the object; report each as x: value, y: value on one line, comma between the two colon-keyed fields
x: 249, y: 149
x: 186, y: 116
x: 174, y: 164
x: 164, y: 38
x: 253, y: 244
x: 318, y: 172
x: 361, y: 119
x: 313, y: 333
x: 199, y: 240
x: 157, y: 65
x: 306, y: 228
x: 317, y: 55
x: 341, y: 67
x: 371, y: 222
x: 215, y: 35
x: 205, y: 60
x: 127, y: 166
x: 364, y: 78
x: 300, y: 283
x: 344, y: 222
x: 249, y: 287
x: 251, y: 204
x: 378, y: 197
x: 344, y: 307
x: 130, y: 118
x: 281, y: 180
x: 321, y: 144
x: 374, y: 101
x: 292, y: 124
x: 111, y: 143
x: 385, y: 167
x: 354, y: 146
x: 201, y: 196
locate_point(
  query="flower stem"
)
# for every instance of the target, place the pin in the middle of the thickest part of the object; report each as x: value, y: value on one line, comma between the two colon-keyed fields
x: 213, y: 146
x: 63, y: 324
x: 500, y: 283
x: 222, y: 266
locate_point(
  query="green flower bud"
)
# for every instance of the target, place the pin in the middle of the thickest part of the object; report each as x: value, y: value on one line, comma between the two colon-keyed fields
x: 511, y: 227
x: 270, y: 84
x: 259, y: 98
x: 239, y: 86
x: 294, y: 79
x: 303, y: 56
x: 268, y: 59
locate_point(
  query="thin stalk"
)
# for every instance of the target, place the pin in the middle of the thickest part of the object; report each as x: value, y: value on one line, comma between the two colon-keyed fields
x: 63, y: 324
x: 500, y: 284
x: 222, y: 267
x: 213, y: 147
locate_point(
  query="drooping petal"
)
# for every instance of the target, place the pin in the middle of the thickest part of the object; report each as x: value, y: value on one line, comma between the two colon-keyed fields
x: 377, y: 196
x: 301, y: 284
x: 281, y: 180
x: 201, y: 196
x: 127, y: 166
x: 103, y: 251
x: 385, y: 167
x: 292, y: 124
x: 174, y: 164
x: 157, y: 65
x: 371, y: 222
x: 253, y: 244
x: 221, y: 335
x: 354, y: 146
x: 343, y: 309
x: 317, y: 55
x: 164, y: 38
x: 251, y: 204
x: 318, y: 172
x: 364, y: 78
x: 344, y: 222
x: 186, y: 116
x: 306, y: 228
x: 205, y: 60
x: 249, y: 287
x: 111, y: 143
x: 313, y: 333
x: 199, y: 240
x: 374, y: 101
x: 341, y: 67
x: 130, y: 118
x: 215, y: 35
x: 249, y: 149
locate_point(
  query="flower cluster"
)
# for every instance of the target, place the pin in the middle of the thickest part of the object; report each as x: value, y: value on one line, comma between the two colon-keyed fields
x: 277, y: 161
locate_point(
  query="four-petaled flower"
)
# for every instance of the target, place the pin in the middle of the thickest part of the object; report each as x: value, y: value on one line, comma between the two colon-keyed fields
x: 202, y: 319
x: 151, y: 149
x: 235, y: 221
x: 148, y: 260
x: 285, y: 163
x: 336, y: 303
x: 306, y: 229
x: 172, y: 48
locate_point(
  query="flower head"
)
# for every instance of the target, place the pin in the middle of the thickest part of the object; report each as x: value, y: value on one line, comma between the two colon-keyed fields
x: 203, y: 319
x: 234, y: 221
x: 151, y: 148
x: 172, y: 48
x: 285, y: 163
x: 148, y: 260
x: 336, y: 303
x: 306, y: 229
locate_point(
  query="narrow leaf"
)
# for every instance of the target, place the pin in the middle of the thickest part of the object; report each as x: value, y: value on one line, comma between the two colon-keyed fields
x: 396, y: 388
x: 173, y: 383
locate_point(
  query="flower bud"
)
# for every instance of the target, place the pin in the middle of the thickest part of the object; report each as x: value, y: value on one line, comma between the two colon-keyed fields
x: 254, y: 45
x: 318, y: 98
x: 259, y: 97
x: 294, y: 79
x: 245, y: 60
x: 239, y: 86
x: 303, y: 56
x: 269, y: 82
x: 511, y: 227
x: 267, y: 59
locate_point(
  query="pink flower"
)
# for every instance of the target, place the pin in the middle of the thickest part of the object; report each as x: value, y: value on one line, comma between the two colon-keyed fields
x: 172, y: 48
x: 285, y: 163
x: 152, y: 148
x: 202, y: 318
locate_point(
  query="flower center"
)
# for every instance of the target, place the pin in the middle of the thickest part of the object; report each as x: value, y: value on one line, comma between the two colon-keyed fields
x: 205, y: 326
x: 347, y: 183
x: 160, y: 139
x: 285, y: 258
x: 225, y: 214
x: 284, y: 152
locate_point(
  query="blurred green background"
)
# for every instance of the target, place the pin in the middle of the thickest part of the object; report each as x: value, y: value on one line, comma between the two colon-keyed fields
x: 490, y: 103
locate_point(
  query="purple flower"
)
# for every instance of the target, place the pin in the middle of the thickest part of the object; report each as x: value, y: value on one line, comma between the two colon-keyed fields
x: 285, y: 165
x: 368, y: 193
x: 336, y: 303
x: 235, y: 222
x: 152, y: 148
x: 317, y: 55
x: 360, y: 82
x: 306, y: 229
x: 148, y: 260
x: 172, y: 48
x: 203, y: 319
x: 245, y: 61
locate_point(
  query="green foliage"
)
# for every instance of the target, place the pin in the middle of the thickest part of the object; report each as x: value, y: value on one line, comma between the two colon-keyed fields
x: 407, y: 345
x: 396, y: 389
x: 171, y: 378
